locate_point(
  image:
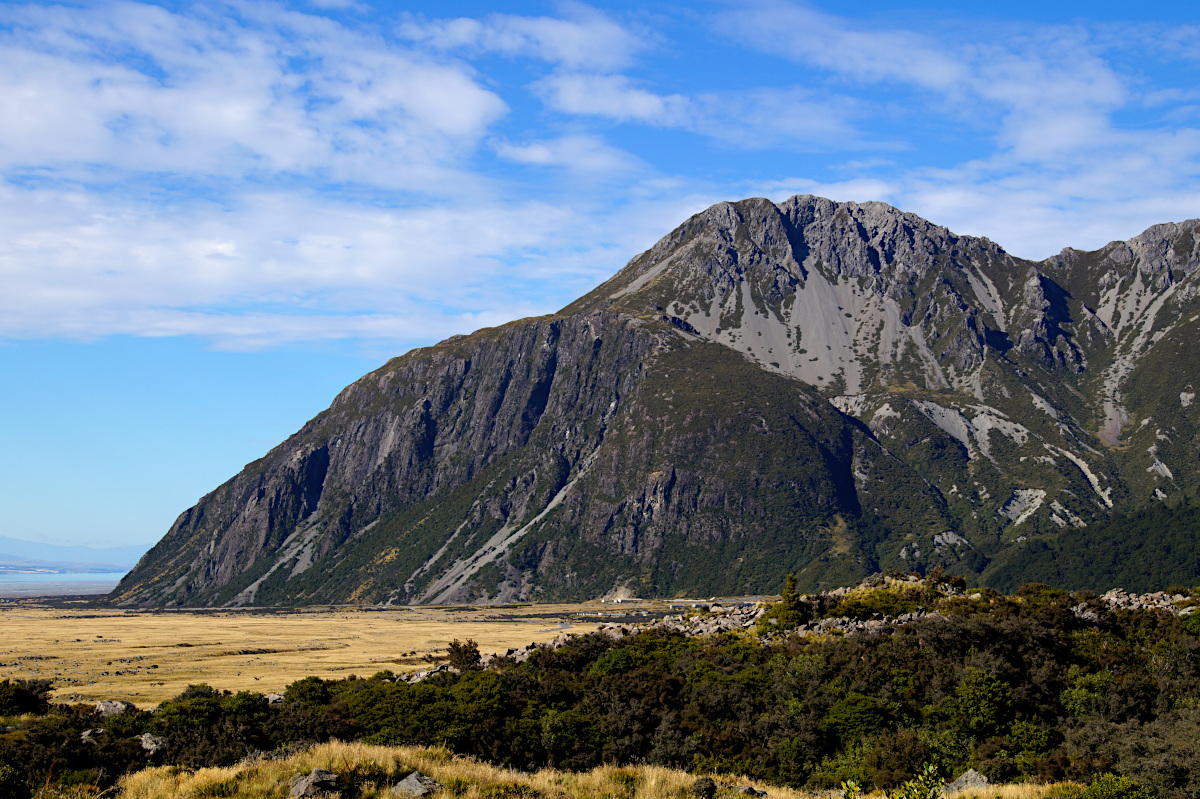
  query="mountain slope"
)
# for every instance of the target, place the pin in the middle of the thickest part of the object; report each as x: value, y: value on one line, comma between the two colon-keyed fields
x: 1012, y: 386
x: 812, y: 386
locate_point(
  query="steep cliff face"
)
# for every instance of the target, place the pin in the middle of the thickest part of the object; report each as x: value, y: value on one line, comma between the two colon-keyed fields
x: 1016, y: 388
x: 564, y: 456
x: 812, y: 386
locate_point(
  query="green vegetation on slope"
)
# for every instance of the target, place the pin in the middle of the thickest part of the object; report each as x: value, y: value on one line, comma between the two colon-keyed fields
x: 1041, y: 685
x: 1149, y: 550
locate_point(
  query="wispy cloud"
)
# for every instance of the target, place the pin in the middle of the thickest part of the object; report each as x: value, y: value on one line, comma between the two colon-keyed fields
x: 582, y: 38
x: 615, y: 97
x: 577, y: 153
x: 759, y: 118
x: 246, y: 90
x: 1060, y: 170
x: 254, y: 174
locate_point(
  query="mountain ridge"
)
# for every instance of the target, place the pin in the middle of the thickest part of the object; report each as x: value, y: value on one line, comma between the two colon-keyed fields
x: 826, y: 388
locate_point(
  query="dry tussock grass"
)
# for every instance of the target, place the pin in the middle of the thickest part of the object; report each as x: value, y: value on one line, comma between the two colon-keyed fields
x: 146, y: 658
x: 371, y: 770
x: 375, y: 768
x: 1024, y: 790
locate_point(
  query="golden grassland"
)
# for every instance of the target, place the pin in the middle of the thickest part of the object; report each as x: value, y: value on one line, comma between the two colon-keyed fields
x: 147, y: 657
x: 371, y: 770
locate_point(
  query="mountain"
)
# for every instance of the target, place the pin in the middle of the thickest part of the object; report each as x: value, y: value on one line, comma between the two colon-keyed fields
x: 819, y: 387
x: 17, y: 554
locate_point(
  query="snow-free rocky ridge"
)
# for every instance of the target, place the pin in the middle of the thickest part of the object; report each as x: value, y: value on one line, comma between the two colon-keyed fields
x: 818, y: 387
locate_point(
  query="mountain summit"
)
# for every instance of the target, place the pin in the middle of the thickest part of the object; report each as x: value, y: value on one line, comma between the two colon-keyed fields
x: 815, y: 387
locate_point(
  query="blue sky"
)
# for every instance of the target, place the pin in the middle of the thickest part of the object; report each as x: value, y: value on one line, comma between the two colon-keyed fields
x: 214, y: 215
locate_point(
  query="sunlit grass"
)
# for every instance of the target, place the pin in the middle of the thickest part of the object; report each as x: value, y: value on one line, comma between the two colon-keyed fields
x: 370, y: 771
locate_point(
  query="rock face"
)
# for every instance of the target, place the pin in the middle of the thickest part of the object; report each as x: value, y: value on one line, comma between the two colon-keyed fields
x: 153, y: 743
x: 315, y: 783
x: 968, y: 780
x: 113, y: 707
x: 818, y: 387
x: 416, y: 785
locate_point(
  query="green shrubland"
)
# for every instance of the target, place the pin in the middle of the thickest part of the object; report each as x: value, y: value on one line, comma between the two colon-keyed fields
x: 1021, y: 688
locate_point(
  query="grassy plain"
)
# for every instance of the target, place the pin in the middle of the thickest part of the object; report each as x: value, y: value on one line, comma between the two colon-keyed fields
x: 370, y: 771
x: 146, y: 657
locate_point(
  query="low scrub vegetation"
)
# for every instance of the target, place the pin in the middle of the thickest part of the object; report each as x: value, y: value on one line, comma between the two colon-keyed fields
x: 1040, y: 687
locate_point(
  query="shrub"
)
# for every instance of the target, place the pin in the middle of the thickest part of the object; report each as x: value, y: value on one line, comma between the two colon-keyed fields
x: 464, y: 656
x: 1085, y: 694
x: 311, y: 692
x: 982, y: 705
x: 1114, y: 786
x: 879, y: 602
x: 857, y: 716
x: 789, y: 612
x: 1191, y: 623
x: 24, y: 696
x: 896, y: 758
x: 926, y: 785
x: 11, y: 784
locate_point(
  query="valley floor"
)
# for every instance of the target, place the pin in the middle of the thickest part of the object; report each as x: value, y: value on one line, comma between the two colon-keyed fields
x: 148, y: 657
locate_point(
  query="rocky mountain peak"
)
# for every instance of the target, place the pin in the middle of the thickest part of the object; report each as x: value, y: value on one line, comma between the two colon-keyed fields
x: 811, y: 386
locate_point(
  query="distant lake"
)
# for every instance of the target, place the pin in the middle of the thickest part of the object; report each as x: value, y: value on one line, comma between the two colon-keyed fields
x: 58, y: 584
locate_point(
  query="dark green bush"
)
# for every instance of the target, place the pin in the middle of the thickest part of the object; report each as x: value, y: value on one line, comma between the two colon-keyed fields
x: 464, y: 656
x: 1114, y: 786
x: 876, y: 604
x: 18, y: 697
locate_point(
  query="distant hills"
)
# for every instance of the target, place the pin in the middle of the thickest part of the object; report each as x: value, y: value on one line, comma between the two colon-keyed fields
x: 17, y: 555
x: 824, y: 388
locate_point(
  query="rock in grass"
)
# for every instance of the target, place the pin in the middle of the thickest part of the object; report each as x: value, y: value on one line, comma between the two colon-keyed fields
x: 416, y: 784
x: 966, y: 781
x: 153, y: 743
x: 113, y: 707
x: 703, y: 788
x: 316, y: 782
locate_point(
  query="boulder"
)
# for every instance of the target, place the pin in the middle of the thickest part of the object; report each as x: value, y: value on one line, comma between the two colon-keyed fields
x: 89, y: 736
x: 113, y: 707
x: 153, y: 743
x: 703, y: 788
x: 274, y: 699
x: 749, y: 790
x: 315, y: 783
x: 416, y: 784
x: 968, y: 780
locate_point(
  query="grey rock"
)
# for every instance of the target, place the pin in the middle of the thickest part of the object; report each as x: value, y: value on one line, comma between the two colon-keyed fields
x: 113, y: 707
x: 749, y: 790
x: 316, y: 782
x: 90, y: 736
x: 968, y: 780
x: 153, y: 743
x: 703, y: 788
x: 416, y: 784
x: 274, y: 699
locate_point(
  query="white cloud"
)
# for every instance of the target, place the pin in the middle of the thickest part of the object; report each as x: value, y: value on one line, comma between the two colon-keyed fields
x: 133, y: 87
x: 281, y: 267
x: 1052, y: 92
x: 799, y: 32
x: 612, y: 96
x: 758, y: 118
x: 583, y: 38
x: 577, y: 153
x: 1061, y: 170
